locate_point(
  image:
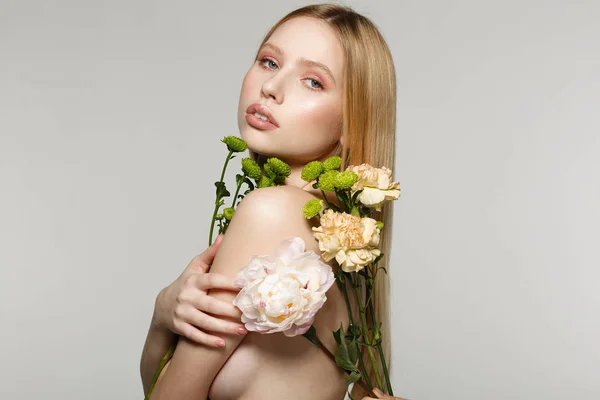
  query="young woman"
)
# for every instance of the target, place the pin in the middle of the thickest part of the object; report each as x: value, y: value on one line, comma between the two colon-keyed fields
x: 322, y: 84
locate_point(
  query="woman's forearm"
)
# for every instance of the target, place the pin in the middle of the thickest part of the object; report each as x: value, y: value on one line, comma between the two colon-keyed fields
x: 158, y: 341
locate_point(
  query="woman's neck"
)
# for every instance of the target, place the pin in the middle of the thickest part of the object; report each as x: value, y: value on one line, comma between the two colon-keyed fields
x: 295, y: 178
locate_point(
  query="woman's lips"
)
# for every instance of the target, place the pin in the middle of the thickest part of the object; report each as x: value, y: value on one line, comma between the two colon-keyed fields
x: 260, y: 123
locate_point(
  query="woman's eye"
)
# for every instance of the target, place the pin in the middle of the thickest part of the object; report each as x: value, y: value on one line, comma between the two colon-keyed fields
x: 314, y: 84
x: 268, y: 63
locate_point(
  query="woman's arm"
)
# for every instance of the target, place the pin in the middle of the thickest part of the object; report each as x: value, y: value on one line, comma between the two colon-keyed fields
x: 264, y: 218
x: 158, y: 341
x: 184, y: 308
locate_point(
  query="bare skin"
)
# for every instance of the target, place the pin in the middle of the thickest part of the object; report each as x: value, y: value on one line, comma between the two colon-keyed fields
x: 263, y: 366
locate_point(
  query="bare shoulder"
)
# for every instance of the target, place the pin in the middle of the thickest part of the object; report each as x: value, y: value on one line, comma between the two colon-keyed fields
x: 264, y: 218
x: 278, y: 202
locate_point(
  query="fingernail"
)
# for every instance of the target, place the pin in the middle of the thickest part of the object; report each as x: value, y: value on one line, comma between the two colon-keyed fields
x: 377, y: 392
x: 241, y: 331
x: 221, y: 343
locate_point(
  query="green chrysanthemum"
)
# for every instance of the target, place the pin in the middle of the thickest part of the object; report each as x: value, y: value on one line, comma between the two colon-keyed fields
x: 251, y: 168
x: 312, y: 170
x: 332, y: 163
x: 265, y: 182
x: 228, y: 213
x: 235, y: 144
x: 312, y: 208
x: 280, y: 168
x: 345, y: 180
x: 380, y: 225
x: 327, y: 181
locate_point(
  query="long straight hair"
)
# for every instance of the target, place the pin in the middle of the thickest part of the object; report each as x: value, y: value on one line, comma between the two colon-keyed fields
x: 369, y: 119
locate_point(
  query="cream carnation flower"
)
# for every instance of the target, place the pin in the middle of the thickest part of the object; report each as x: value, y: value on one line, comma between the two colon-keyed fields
x: 376, y: 185
x: 282, y: 292
x: 351, y: 240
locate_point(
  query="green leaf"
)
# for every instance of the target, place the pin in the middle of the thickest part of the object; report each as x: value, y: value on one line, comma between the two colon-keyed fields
x: 353, y: 377
x: 354, y: 332
x: 239, y: 178
x: 353, y: 352
x: 311, y: 334
x: 342, y: 355
x: 222, y: 190
x: 343, y: 198
x: 337, y: 335
x: 378, y: 258
x: 249, y: 183
x: 355, y: 196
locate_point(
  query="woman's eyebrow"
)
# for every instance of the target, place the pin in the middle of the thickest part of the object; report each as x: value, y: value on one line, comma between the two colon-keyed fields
x: 316, y: 64
x: 303, y: 61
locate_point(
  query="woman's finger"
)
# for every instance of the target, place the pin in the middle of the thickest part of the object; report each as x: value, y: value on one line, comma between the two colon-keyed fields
x: 209, y: 323
x: 203, y: 261
x: 196, y: 335
x: 216, y: 306
x: 215, y: 281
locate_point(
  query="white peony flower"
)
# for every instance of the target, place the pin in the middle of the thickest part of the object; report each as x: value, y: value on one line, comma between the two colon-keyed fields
x: 283, y: 291
x: 376, y: 185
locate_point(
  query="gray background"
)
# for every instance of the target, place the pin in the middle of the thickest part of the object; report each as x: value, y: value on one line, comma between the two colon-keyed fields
x: 110, y: 118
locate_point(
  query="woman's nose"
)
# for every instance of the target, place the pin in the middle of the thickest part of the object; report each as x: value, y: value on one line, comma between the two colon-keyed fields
x: 273, y: 89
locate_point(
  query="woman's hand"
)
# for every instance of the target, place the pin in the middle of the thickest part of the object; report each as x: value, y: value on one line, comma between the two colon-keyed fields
x: 185, y: 308
x: 381, y: 395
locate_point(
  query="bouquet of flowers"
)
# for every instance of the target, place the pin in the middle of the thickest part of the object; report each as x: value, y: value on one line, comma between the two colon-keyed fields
x: 283, y: 291
x: 348, y: 234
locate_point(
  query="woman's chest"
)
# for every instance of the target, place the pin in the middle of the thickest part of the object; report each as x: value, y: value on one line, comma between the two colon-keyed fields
x: 277, y: 367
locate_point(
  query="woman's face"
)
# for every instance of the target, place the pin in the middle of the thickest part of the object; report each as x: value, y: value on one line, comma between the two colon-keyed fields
x: 291, y: 100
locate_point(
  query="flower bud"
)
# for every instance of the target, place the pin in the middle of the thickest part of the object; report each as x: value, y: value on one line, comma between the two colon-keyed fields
x: 312, y: 208
x: 280, y: 168
x: 380, y: 225
x: 251, y: 168
x: 228, y: 213
x: 312, y: 170
x: 235, y: 144
x: 327, y: 181
x: 332, y: 163
x: 345, y: 180
x: 377, y: 335
x: 265, y: 182
x: 269, y: 171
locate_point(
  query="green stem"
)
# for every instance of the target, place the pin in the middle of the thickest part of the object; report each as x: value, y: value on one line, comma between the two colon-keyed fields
x: 363, y: 320
x: 163, y: 362
x: 360, y: 357
x: 212, y: 225
x: 237, y: 190
x: 325, y: 198
x: 379, y: 347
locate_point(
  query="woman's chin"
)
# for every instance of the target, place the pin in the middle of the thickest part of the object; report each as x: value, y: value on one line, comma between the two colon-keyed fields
x: 257, y: 142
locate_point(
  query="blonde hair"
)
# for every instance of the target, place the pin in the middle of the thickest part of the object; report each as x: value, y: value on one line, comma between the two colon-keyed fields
x: 369, y: 118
